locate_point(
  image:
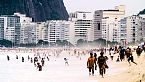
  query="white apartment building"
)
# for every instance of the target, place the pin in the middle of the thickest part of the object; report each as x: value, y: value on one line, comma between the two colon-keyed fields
x: 143, y: 28
x: 131, y: 29
x: 82, y: 26
x: 123, y: 31
x: 58, y: 30
x: 10, y: 28
x: 106, y: 23
x: 2, y: 24
x: 28, y: 33
x: 28, y: 29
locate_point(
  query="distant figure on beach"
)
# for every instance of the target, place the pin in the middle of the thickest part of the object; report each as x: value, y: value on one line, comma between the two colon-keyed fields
x: 35, y: 61
x: 95, y: 56
x: 130, y: 58
x: 39, y: 67
x: 28, y: 57
x: 8, y: 58
x: 22, y: 59
x: 42, y: 62
x: 112, y: 54
x: 31, y: 60
x: 118, y: 59
x: 138, y: 51
x: 122, y: 54
x: 47, y: 58
x: 127, y: 52
x: 66, y: 61
x: 16, y: 56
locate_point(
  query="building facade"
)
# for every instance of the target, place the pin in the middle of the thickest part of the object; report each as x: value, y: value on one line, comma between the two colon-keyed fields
x: 10, y: 28
x: 106, y: 23
x: 42, y: 31
x: 57, y: 30
x: 132, y: 29
x: 82, y: 25
x: 27, y: 30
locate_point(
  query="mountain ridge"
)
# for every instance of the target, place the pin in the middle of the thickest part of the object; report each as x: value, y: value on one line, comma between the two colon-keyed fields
x: 39, y: 10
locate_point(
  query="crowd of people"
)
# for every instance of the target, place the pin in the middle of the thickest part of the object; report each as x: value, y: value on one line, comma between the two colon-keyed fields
x: 93, y: 62
x: 121, y: 53
x: 41, y: 55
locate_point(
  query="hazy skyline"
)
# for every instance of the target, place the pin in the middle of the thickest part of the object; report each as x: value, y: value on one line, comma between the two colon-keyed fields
x: 132, y: 6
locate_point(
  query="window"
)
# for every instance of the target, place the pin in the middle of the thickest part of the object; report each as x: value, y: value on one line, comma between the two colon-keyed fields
x: 84, y: 16
x: 99, y: 26
x: 98, y: 15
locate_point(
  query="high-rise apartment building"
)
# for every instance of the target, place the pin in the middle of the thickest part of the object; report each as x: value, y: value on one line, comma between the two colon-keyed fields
x: 27, y: 30
x: 106, y: 23
x: 10, y: 28
x: 58, y: 30
x: 82, y: 26
x: 131, y: 29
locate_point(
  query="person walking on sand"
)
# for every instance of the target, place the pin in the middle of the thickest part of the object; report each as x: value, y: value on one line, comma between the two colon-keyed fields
x: 122, y: 54
x: 39, y: 67
x: 102, y: 63
x: 8, y: 58
x: 66, y: 61
x: 22, y: 59
x: 130, y: 58
x: 90, y: 64
x: 95, y: 56
x: 112, y: 54
x: 138, y: 51
x: 42, y: 62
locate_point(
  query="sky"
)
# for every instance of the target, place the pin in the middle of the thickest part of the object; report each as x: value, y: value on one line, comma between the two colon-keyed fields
x: 132, y: 6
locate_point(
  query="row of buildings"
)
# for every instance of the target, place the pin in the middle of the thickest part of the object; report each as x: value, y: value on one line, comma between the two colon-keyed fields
x: 111, y: 25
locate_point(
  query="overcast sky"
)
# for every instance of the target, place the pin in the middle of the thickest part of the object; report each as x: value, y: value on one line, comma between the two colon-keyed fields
x: 132, y: 6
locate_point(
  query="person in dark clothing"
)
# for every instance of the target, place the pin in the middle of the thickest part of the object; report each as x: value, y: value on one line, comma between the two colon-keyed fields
x: 31, y: 60
x: 122, y: 54
x: 90, y: 64
x: 47, y: 58
x: 42, y: 61
x: 95, y: 56
x: 102, y: 63
x: 22, y: 59
x: 8, y: 58
x: 127, y: 52
x: 118, y: 59
x: 138, y: 51
x: 143, y: 47
x: 130, y: 58
x: 28, y: 57
x: 35, y: 60
x: 39, y: 67
x: 16, y: 56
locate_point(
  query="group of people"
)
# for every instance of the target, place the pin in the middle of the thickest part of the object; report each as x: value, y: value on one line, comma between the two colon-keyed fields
x: 123, y: 54
x: 127, y: 54
x: 37, y: 60
x: 93, y: 61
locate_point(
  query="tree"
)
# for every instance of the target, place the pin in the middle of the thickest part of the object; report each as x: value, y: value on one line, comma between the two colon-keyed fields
x: 6, y: 43
x: 65, y: 42
x: 80, y: 42
x: 45, y: 42
x: 59, y: 42
x: 100, y: 41
x: 40, y: 42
